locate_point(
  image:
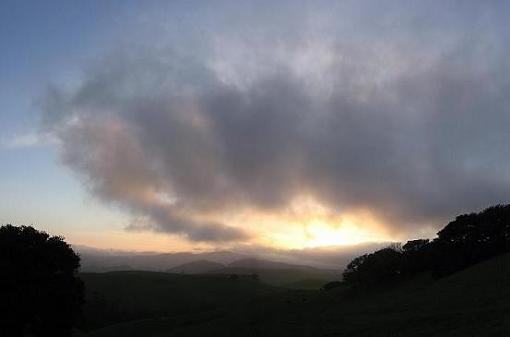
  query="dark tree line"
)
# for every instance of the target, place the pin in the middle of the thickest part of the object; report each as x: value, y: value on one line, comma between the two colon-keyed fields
x: 469, y: 239
x: 40, y: 294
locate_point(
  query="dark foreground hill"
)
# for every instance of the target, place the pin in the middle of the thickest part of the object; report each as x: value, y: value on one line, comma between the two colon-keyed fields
x: 287, y: 278
x: 269, y: 272
x: 117, y: 297
x: 280, y: 274
x: 473, y: 302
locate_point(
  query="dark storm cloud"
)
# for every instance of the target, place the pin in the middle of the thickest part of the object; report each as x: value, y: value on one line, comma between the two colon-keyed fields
x: 402, y: 112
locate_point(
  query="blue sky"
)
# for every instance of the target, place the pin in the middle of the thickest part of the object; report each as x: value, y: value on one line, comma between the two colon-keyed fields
x: 43, y: 43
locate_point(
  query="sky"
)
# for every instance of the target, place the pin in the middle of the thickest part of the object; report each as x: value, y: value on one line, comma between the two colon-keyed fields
x: 190, y: 125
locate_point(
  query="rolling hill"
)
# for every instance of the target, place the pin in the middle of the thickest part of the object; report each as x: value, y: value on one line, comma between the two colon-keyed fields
x: 196, y: 267
x: 473, y: 302
x: 116, y: 297
x: 101, y: 261
x: 269, y: 272
x: 277, y: 273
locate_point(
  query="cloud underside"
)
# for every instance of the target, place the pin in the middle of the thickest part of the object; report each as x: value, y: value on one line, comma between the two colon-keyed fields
x: 409, y: 124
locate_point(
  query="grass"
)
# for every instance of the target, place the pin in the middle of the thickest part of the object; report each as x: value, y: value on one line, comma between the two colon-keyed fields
x: 474, y: 302
x: 283, y: 277
x: 124, y: 296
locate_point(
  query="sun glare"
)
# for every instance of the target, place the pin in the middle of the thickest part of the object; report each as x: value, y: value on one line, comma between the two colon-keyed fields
x: 321, y: 234
x: 307, y: 223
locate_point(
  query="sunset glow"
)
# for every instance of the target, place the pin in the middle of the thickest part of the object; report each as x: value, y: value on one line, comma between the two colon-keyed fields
x: 254, y: 168
x: 321, y: 234
x: 181, y: 126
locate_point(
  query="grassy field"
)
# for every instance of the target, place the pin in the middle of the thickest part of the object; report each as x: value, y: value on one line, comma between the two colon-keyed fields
x: 474, y: 302
x: 134, y: 295
x: 282, y: 277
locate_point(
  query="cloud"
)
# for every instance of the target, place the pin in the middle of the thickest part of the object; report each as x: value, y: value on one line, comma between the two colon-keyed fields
x: 397, y: 112
x: 24, y: 140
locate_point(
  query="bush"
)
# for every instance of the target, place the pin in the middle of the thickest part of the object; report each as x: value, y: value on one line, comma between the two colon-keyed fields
x: 381, y: 267
x: 467, y: 240
x: 40, y: 293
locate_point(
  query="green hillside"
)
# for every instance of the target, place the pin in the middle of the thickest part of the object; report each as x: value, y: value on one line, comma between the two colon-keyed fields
x: 473, y: 302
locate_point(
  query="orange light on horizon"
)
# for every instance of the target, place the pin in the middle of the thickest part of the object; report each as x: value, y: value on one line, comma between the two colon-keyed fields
x: 305, y: 223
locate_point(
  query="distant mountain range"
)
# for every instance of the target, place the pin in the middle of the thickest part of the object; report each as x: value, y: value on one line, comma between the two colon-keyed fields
x: 102, y: 261
x: 254, y: 263
x: 269, y: 272
x: 242, y: 261
x: 196, y: 267
x: 217, y: 263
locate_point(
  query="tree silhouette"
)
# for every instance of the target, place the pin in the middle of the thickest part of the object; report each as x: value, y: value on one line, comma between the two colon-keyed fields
x: 414, y: 246
x: 352, y: 273
x: 381, y: 267
x: 469, y: 239
x: 40, y: 294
